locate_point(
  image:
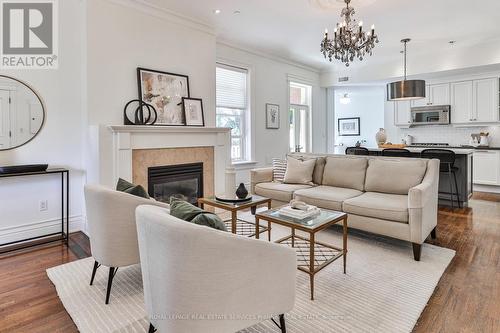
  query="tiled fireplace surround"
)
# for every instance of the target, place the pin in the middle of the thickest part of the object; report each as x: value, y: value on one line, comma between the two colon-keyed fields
x: 127, y: 151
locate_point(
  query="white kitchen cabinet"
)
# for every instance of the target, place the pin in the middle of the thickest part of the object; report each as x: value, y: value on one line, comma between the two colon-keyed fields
x: 461, y: 102
x: 402, y: 110
x: 435, y: 94
x: 439, y: 94
x: 475, y: 101
x: 487, y: 167
x: 485, y: 97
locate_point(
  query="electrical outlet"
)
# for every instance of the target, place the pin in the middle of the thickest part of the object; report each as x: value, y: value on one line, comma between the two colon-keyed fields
x: 44, y: 205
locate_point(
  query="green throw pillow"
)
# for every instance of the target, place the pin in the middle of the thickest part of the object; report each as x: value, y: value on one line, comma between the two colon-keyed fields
x: 188, y: 212
x: 127, y: 187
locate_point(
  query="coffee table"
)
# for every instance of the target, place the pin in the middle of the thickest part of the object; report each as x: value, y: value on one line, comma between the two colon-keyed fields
x: 237, y: 226
x: 312, y: 255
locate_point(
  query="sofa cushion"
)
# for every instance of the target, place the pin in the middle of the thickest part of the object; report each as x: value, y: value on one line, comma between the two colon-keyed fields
x: 185, y: 211
x: 328, y: 197
x: 394, y: 176
x: 392, y: 207
x: 347, y: 172
x: 319, y: 169
x: 124, y: 186
x: 299, y: 171
x: 279, y: 169
x: 278, y: 191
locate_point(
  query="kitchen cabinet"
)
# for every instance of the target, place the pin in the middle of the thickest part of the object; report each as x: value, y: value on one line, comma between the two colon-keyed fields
x: 485, y: 97
x: 487, y: 167
x: 402, y: 113
x: 435, y: 94
x: 461, y: 101
x: 475, y: 101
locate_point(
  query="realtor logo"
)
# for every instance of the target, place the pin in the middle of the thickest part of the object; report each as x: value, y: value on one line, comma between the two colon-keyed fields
x: 29, y: 34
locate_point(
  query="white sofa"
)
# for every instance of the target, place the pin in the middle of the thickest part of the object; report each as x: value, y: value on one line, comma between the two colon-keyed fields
x: 197, y: 279
x: 395, y: 197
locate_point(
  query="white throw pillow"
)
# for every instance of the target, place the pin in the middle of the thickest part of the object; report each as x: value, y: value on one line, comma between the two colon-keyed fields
x: 299, y: 171
x: 279, y: 169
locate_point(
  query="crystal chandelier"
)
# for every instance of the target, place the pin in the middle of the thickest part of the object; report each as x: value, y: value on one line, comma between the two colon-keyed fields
x: 349, y: 40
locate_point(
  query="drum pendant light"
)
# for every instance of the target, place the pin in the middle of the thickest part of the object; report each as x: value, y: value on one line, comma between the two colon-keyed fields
x: 406, y: 89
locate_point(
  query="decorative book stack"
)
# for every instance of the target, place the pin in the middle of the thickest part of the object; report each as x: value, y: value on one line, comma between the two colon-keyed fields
x: 299, y: 213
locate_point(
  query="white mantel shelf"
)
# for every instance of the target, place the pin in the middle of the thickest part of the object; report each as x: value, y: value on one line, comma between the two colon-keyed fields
x: 166, y: 129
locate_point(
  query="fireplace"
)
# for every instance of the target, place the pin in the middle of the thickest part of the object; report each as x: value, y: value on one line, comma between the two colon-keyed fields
x: 183, y: 181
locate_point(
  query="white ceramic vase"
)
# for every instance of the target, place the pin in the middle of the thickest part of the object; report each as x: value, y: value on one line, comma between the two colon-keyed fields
x: 381, y: 137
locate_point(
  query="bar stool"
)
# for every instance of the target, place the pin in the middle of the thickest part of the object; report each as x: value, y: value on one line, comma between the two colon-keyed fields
x: 396, y: 152
x: 447, y: 165
x: 357, y: 151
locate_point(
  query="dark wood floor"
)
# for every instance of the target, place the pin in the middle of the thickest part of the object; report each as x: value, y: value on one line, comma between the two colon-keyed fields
x: 467, y: 298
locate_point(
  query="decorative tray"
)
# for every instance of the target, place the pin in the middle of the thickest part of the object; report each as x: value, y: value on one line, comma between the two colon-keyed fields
x: 233, y: 200
x: 7, y: 170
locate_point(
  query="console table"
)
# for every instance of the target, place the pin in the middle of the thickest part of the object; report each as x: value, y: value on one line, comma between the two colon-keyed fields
x: 64, y: 233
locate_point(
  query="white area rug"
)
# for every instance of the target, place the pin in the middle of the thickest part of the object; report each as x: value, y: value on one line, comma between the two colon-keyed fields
x: 384, y: 290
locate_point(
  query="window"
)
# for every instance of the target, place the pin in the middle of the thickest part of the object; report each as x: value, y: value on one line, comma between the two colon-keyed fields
x: 232, y: 108
x: 299, y: 117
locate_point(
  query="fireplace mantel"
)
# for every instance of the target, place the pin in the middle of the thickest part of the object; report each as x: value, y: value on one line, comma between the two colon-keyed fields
x: 166, y: 129
x: 113, y: 146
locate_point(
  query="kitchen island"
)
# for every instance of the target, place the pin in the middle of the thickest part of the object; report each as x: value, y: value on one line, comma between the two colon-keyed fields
x: 464, y: 173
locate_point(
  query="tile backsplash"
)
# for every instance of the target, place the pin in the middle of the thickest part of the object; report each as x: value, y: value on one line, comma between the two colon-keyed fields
x: 455, y: 136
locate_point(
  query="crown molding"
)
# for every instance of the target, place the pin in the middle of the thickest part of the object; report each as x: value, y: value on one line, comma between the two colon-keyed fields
x: 269, y: 56
x: 166, y: 14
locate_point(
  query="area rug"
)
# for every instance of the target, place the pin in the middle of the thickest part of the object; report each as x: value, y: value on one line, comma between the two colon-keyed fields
x: 384, y: 290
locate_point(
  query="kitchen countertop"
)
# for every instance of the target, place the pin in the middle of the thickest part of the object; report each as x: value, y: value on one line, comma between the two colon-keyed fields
x: 456, y: 150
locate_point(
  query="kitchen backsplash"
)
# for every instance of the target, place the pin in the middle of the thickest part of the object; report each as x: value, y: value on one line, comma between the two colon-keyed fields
x: 455, y: 136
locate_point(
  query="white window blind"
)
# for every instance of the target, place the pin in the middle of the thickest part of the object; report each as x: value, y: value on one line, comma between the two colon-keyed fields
x: 232, y: 108
x: 231, y: 87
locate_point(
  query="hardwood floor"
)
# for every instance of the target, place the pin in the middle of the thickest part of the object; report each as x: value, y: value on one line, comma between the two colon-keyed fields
x: 467, y: 299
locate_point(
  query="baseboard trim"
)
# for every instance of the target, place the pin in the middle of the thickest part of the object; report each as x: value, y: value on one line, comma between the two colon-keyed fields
x: 34, y: 229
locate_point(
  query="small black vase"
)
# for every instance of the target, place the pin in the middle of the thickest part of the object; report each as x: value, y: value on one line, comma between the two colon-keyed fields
x: 241, y: 192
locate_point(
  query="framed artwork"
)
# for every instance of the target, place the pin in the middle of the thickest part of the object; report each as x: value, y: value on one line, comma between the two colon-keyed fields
x: 165, y: 92
x: 193, y: 111
x: 349, y: 126
x: 272, y: 116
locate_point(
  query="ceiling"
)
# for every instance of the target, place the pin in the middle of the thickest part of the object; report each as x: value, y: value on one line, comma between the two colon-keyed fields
x: 293, y: 29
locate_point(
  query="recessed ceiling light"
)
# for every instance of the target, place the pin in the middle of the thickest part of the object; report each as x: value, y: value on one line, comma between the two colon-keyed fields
x: 216, y: 11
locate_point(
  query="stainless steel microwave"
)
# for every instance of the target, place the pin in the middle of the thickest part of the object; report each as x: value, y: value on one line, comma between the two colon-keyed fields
x: 430, y: 115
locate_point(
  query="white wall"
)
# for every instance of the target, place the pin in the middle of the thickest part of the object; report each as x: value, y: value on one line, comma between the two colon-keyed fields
x: 121, y: 38
x: 59, y: 142
x: 269, y: 84
x: 367, y: 102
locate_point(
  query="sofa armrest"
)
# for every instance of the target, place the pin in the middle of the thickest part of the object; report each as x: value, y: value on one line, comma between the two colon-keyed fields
x: 260, y: 175
x: 423, y: 204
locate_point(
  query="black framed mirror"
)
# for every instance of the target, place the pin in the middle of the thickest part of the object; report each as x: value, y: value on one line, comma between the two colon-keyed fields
x: 22, y: 113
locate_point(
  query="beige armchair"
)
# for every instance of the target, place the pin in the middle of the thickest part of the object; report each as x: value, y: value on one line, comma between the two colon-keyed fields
x: 112, y: 229
x: 197, y: 279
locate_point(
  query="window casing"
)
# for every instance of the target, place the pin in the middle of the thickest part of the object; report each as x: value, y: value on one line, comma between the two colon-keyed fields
x: 232, y: 108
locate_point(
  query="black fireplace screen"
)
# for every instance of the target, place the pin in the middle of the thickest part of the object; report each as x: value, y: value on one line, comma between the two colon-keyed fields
x: 183, y: 181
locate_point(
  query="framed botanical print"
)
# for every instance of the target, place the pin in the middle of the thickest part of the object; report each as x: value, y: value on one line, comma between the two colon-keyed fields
x: 272, y: 116
x: 349, y: 126
x: 193, y: 111
x: 165, y: 92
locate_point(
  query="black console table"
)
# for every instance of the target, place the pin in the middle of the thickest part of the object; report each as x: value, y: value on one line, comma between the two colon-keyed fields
x: 64, y: 233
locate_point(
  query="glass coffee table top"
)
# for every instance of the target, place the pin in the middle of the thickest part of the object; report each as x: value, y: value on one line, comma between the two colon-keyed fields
x: 325, y: 216
x: 255, y: 200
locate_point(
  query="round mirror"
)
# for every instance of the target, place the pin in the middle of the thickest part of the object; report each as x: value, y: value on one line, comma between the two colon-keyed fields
x: 22, y: 114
